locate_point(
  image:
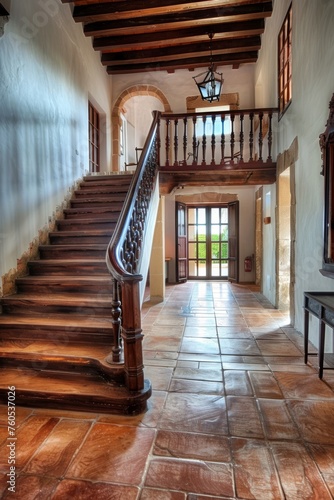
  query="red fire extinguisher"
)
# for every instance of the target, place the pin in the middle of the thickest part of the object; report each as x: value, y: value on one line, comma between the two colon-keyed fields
x: 248, y: 264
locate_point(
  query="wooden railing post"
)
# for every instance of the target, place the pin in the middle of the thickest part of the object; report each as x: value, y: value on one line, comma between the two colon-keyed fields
x: 132, y: 336
x: 213, y: 141
x: 176, y: 141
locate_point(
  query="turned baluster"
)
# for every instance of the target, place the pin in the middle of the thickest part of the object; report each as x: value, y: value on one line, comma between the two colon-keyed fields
x: 270, y: 137
x: 176, y: 141
x: 185, y: 140
x: 232, y: 139
x: 116, y: 312
x: 242, y: 137
x: 251, y: 136
x: 195, y: 145
x: 167, y: 142
x: 204, y: 141
x: 222, y: 143
x: 213, y: 141
x: 260, y: 136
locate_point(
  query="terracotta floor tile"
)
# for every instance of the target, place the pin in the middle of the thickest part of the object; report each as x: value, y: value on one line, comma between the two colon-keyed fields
x: 278, y: 348
x: 30, y: 436
x: 237, y: 383
x: 200, y: 331
x: 153, y: 494
x: 214, y: 374
x: 265, y: 385
x: 108, y: 451
x: 197, y: 321
x: 315, y: 420
x: 240, y: 333
x: 277, y: 421
x: 243, y: 417
x: 32, y: 488
x: 195, y: 413
x: 21, y: 414
x: 55, y: 454
x: 324, y: 456
x: 255, y: 474
x: 167, y: 343
x: 191, y: 476
x: 303, y: 386
x: 199, y: 345
x: 195, y: 446
x: 86, y: 490
x: 299, y: 475
x: 196, y: 386
x: 159, y: 376
x: 239, y: 347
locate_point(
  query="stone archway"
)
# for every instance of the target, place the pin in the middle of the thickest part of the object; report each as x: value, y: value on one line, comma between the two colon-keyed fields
x: 135, y: 90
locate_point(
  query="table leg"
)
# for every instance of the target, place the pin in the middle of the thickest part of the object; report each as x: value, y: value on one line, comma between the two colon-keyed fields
x: 322, y: 327
x: 306, y: 325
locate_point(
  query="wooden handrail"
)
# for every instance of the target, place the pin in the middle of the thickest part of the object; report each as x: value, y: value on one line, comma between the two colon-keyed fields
x: 123, y: 259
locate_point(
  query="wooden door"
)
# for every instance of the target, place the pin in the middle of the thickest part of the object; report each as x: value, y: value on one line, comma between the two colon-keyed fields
x: 181, y: 242
x: 233, y: 241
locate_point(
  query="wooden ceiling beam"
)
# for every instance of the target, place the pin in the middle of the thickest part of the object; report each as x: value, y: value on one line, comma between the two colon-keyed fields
x: 168, y: 23
x: 191, y: 63
x: 116, y: 11
x: 169, y: 38
x: 230, y: 46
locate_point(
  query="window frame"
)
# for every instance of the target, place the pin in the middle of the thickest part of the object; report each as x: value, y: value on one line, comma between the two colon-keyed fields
x: 284, y: 64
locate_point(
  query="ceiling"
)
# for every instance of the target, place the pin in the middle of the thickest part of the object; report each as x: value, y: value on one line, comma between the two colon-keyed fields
x: 166, y: 35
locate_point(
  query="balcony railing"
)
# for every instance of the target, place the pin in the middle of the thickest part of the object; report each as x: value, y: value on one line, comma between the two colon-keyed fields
x: 217, y: 140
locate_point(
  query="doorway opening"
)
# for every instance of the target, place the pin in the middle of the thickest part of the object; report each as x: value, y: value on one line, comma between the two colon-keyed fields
x: 94, y: 138
x: 284, y: 241
x: 207, y: 242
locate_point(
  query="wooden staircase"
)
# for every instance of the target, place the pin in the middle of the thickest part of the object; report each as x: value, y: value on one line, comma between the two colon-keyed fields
x: 56, y: 331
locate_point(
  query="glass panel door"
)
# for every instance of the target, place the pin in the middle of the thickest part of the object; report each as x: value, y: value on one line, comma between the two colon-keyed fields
x: 208, y: 242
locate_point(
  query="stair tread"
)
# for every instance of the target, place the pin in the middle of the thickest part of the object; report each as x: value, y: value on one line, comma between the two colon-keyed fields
x: 59, y: 298
x: 53, y: 349
x: 86, y: 260
x: 85, y: 279
x: 49, y: 382
x: 72, y: 246
x: 94, y: 232
x: 65, y: 320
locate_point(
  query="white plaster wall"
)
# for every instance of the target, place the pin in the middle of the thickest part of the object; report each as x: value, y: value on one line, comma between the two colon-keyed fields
x: 48, y: 70
x: 179, y: 85
x: 246, y: 197
x: 312, y: 89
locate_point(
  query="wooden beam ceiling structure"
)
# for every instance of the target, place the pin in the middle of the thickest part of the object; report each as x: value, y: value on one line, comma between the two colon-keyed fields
x: 166, y: 35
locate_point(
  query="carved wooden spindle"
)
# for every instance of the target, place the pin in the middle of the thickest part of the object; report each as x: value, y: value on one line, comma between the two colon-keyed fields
x: 260, y: 136
x: 213, y: 140
x: 204, y: 141
x: 270, y: 136
x: 242, y: 137
x: 232, y: 138
x: 185, y: 140
x: 167, y: 141
x: 116, y: 313
x: 158, y: 143
x: 195, y: 147
x: 222, y: 143
x: 176, y: 141
x: 251, y: 136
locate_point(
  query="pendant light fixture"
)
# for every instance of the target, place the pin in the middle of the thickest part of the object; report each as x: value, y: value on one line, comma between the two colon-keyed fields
x: 211, y: 86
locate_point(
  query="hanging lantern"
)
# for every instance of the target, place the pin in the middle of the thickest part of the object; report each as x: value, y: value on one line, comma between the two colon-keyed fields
x: 211, y: 86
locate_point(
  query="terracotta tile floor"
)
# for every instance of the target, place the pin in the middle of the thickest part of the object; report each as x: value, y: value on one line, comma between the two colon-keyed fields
x: 235, y: 414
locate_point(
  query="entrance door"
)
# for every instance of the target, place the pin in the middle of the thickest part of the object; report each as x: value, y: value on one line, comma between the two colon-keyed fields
x: 94, y: 138
x: 213, y: 242
x: 181, y: 242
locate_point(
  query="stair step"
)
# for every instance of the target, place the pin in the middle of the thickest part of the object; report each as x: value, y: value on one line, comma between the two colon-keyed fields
x: 68, y: 267
x: 65, y: 284
x: 60, y: 328
x: 97, y: 202
x: 110, y: 179
x: 85, y: 224
x: 57, y: 303
x: 92, y: 189
x: 109, y: 213
x: 81, y: 237
x: 71, y: 391
x: 68, y: 251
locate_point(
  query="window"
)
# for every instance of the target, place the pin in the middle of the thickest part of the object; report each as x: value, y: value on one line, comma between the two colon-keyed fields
x: 284, y: 63
x: 218, y: 125
x: 94, y: 138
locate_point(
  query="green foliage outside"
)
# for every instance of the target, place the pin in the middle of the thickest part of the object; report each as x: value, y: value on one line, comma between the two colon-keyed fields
x: 214, y: 247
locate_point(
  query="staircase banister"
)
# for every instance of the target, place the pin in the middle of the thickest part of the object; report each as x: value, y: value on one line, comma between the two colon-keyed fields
x: 235, y: 112
x: 113, y: 255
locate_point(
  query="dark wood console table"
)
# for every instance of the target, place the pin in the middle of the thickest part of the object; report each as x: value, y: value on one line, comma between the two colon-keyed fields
x: 321, y: 305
